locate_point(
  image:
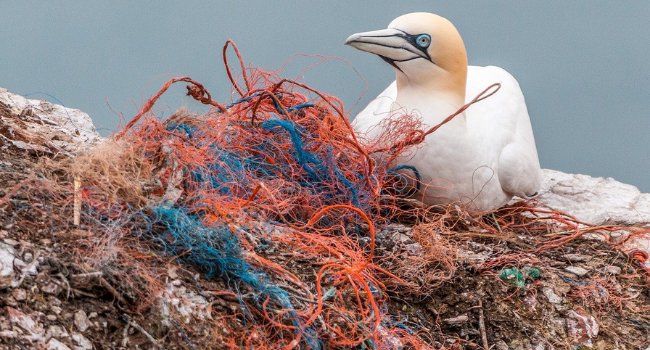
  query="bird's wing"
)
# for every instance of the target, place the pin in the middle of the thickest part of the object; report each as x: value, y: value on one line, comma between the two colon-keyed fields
x: 366, y: 121
x: 503, y: 120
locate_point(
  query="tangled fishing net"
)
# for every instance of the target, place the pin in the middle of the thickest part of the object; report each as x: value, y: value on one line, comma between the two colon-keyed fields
x: 274, y: 197
x: 279, y: 166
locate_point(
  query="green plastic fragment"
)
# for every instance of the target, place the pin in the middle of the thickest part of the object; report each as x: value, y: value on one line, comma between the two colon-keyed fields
x: 533, y: 273
x: 514, y: 276
x: 517, y: 277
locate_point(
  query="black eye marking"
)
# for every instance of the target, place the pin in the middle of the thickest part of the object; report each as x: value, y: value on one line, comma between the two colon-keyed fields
x: 419, y: 41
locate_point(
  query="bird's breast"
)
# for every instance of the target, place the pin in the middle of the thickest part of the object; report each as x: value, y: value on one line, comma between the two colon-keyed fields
x: 456, y: 162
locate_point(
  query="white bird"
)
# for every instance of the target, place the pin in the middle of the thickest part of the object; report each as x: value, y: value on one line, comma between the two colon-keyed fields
x: 481, y: 158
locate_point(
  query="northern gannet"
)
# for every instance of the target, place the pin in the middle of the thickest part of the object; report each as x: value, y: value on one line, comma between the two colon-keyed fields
x: 481, y: 158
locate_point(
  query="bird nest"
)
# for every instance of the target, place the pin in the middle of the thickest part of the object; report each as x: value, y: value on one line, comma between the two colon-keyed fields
x: 295, y: 235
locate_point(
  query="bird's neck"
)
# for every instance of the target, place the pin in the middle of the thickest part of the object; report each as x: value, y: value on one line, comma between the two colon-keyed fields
x: 435, y: 100
x: 450, y: 84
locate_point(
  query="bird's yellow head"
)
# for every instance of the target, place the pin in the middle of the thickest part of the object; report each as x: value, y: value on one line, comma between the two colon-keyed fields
x: 425, y: 50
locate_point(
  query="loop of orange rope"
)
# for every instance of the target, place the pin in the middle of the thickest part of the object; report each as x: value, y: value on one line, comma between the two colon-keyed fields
x: 241, y: 64
x: 638, y: 255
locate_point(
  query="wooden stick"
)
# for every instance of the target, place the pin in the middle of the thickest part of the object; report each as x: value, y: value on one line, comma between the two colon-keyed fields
x: 113, y: 291
x: 77, y: 201
x: 146, y: 334
x: 481, y: 326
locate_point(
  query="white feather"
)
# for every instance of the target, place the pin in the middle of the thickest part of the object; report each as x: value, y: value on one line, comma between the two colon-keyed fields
x: 482, y: 158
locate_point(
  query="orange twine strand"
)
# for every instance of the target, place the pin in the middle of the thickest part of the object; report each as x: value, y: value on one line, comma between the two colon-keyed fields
x: 354, y: 270
x: 417, y: 136
x: 197, y: 91
x: 241, y: 64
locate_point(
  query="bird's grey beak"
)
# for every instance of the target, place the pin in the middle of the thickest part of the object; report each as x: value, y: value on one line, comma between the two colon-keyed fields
x: 392, y: 45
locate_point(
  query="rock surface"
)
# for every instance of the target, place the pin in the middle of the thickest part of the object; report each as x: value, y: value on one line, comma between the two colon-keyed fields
x: 40, y: 127
x: 81, y: 320
x: 594, y: 200
x: 582, y: 326
x: 7, y: 255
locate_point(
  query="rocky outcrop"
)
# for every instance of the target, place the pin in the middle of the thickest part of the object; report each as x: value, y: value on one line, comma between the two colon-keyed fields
x: 42, y: 128
x: 594, y: 200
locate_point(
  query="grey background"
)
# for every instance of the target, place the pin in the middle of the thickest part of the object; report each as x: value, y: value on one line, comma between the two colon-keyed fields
x: 584, y: 66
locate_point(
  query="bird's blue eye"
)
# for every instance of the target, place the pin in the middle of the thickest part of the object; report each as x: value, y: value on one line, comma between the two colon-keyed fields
x: 423, y: 41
